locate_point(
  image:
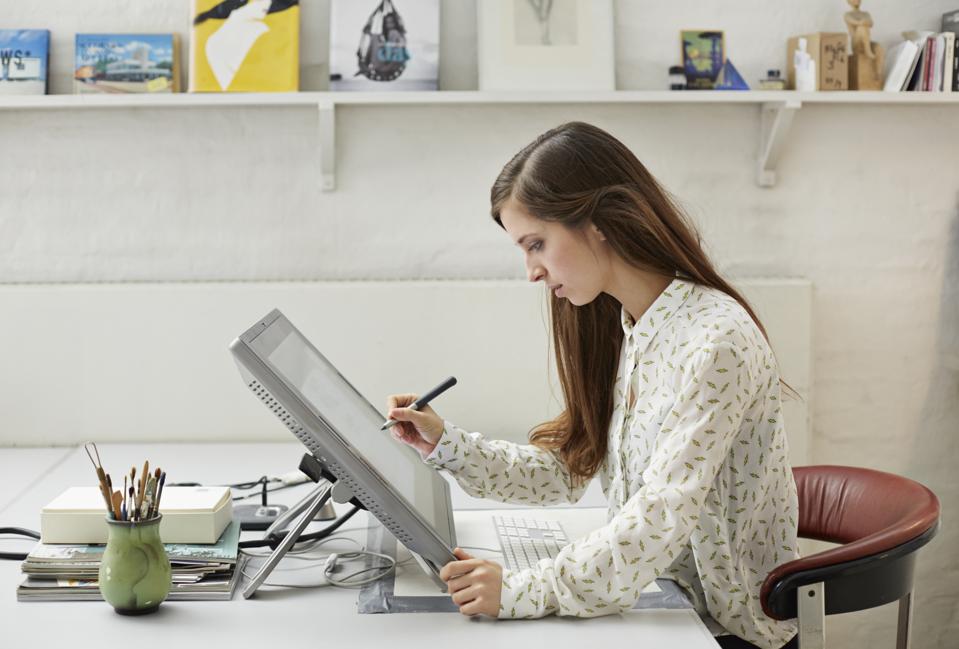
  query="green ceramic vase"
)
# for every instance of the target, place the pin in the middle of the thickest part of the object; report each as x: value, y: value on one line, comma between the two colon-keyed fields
x: 135, y: 570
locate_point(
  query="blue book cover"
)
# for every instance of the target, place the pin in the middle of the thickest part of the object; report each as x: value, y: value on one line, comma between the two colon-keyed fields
x: 126, y: 63
x: 24, y: 54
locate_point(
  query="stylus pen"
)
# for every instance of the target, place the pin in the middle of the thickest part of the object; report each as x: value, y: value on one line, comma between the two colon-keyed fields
x: 425, y: 399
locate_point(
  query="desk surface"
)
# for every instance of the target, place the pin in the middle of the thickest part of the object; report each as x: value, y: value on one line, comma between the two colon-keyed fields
x: 32, y: 477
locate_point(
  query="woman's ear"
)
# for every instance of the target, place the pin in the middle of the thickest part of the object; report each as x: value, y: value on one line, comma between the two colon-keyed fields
x: 598, y: 232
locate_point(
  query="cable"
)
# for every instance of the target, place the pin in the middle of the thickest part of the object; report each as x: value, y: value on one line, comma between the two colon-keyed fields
x: 17, y: 531
x: 274, y: 539
x: 473, y: 547
x: 20, y: 531
x: 302, y: 554
x: 264, y: 480
x: 331, y: 561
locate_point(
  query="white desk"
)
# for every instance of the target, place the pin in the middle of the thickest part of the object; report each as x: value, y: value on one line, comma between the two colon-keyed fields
x: 290, y: 617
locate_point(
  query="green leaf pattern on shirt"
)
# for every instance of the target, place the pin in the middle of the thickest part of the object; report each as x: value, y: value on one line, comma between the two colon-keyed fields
x: 696, y: 475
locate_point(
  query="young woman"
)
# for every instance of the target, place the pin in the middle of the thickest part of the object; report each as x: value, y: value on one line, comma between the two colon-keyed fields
x: 672, y: 398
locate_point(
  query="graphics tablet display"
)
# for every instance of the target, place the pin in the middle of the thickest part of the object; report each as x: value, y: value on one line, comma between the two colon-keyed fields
x: 342, y: 429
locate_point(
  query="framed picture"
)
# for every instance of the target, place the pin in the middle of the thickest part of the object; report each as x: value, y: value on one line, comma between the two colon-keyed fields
x: 704, y: 53
x: 384, y: 44
x: 545, y: 45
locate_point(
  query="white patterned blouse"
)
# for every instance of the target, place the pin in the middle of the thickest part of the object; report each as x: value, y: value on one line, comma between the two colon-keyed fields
x: 696, y: 474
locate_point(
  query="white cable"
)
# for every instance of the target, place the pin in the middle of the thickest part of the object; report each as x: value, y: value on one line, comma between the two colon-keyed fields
x: 345, y: 583
x: 473, y: 547
x: 301, y: 554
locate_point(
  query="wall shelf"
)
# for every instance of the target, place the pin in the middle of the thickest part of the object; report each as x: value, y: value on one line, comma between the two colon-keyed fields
x: 776, y: 108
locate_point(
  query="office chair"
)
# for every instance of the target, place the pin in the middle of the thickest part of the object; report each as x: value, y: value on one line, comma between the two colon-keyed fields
x: 881, y: 520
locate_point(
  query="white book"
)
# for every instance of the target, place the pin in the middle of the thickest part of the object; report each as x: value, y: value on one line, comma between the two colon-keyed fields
x: 190, y: 515
x: 900, y: 62
x: 947, y: 63
x: 938, y: 55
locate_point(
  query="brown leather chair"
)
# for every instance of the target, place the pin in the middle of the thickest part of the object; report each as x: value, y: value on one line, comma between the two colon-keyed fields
x: 881, y: 520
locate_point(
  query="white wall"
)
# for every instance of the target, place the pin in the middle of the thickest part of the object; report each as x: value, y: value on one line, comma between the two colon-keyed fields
x: 865, y: 207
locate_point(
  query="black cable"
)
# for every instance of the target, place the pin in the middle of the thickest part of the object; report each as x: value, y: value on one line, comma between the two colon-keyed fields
x: 19, y: 531
x: 274, y: 539
x: 242, y: 486
x: 269, y: 491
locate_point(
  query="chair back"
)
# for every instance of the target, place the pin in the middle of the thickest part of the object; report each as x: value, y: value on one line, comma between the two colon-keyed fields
x: 880, y: 520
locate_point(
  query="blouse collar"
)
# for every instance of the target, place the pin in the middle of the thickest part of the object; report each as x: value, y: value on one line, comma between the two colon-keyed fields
x: 662, y: 308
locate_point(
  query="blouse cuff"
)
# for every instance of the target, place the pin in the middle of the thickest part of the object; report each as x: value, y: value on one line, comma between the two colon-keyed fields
x: 450, y: 450
x: 518, y: 597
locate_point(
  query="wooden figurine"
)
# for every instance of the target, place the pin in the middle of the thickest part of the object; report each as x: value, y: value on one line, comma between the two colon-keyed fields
x: 866, y: 60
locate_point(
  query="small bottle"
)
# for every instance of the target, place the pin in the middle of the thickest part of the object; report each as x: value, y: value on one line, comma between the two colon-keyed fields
x: 677, y: 77
x: 805, y: 68
x: 773, y: 81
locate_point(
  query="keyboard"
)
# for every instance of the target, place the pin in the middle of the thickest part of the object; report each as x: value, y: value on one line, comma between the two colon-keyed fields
x: 525, y: 541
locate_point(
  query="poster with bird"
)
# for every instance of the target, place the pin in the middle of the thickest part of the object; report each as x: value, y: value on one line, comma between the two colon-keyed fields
x: 245, y: 46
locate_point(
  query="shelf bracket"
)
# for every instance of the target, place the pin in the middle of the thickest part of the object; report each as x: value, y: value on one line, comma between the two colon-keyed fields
x: 327, y: 126
x: 775, y: 120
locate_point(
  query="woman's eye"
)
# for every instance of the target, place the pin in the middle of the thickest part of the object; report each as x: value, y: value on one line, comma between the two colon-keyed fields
x: 536, y: 246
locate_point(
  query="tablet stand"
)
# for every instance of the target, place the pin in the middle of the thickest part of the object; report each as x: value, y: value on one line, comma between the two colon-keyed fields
x: 313, y: 503
x: 309, y: 506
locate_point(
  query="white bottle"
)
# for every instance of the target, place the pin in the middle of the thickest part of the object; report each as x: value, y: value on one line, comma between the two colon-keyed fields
x: 805, y: 68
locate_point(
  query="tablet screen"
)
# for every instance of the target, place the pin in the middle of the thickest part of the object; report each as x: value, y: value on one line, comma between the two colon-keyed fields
x: 357, y: 423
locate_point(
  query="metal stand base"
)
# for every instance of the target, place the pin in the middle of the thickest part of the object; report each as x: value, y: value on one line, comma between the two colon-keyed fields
x: 309, y: 506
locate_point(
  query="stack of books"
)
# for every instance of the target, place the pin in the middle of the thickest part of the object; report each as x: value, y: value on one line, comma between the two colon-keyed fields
x: 69, y: 572
x: 925, y: 61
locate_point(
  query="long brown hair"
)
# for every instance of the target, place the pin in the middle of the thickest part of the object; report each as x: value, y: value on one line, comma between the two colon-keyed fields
x: 577, y: 174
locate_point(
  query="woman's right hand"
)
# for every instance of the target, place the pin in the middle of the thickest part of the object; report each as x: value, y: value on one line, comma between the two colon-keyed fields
x: 420, y: 429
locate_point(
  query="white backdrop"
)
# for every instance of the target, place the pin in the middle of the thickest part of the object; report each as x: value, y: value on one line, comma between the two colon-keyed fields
x: 865, y: 207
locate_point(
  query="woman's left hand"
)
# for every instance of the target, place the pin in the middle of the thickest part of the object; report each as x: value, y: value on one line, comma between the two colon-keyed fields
x: 475, y: 585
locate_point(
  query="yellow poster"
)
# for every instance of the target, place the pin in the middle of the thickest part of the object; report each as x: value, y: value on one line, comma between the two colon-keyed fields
x: 245, y: 46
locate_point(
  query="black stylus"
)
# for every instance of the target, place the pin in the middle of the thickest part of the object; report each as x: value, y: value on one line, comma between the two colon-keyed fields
x: 425, y: 399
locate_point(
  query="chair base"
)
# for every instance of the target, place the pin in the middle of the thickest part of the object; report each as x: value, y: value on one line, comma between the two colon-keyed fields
x: 811, y: 606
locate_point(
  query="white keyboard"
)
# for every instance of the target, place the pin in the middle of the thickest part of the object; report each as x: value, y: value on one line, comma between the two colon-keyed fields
x: 525, y: 541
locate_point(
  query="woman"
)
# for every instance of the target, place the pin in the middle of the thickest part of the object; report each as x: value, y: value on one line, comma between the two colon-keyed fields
x: 672, y: 398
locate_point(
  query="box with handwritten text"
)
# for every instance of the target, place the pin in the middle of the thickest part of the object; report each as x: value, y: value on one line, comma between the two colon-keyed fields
x: 828, y: 50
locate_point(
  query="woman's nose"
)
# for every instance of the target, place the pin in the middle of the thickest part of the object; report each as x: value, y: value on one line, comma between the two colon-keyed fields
x: 535, y: 273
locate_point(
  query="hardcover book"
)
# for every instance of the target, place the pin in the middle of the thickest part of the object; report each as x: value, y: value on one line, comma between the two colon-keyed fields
x: 384, y: 44
x: 245, y: 46
x: 126, y: 63
x: 703, y: 55
x: 23, y: 61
